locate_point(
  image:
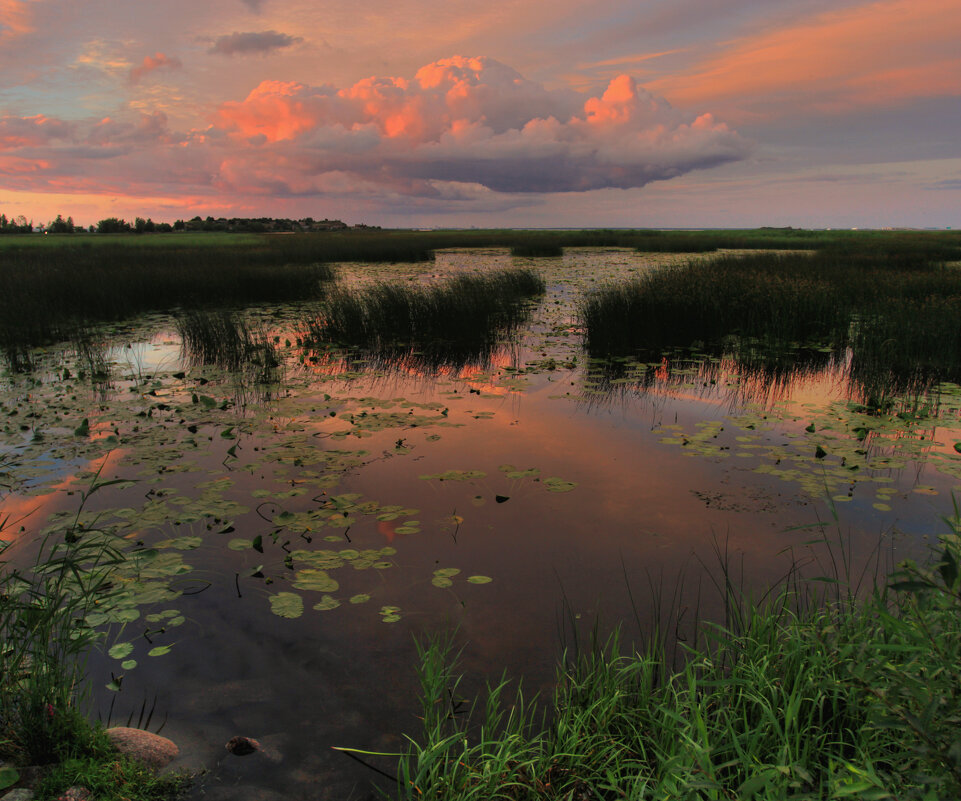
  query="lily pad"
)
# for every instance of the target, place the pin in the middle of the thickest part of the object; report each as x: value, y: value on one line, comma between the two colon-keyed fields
x: 287, y: 604
x: 121, y: 650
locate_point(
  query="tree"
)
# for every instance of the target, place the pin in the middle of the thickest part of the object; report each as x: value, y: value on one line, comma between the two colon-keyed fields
x: 111, y: 225
x: 61, y: 226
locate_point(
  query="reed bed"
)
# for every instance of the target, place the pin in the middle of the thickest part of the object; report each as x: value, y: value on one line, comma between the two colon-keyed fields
x: 895, y: 309
x: 800, y: 696
x: 460, y: 321
x: 46, y: 293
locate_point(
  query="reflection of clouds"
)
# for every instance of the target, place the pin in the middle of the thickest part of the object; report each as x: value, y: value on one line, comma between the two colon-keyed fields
x: 32, y: 511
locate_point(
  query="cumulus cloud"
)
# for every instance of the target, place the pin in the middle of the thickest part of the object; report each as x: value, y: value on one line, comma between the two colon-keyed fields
x: 466, y: 133
x: 257, y: 43
x: 151, y: 64
x: 477, y: 121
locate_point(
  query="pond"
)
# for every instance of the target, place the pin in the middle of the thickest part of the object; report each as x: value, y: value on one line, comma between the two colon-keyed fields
x: 295, y: 530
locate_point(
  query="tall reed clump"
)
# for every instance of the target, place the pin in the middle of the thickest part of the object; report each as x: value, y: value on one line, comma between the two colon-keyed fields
x: 789, y: 699
x: 224, y: 339
x: 458, y: 321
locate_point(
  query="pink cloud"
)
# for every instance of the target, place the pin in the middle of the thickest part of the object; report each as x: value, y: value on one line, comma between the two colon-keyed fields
x: 17, y: 132
x: 875, y: 53
x: 476, y: 121
x: 151, y: 64
x: 465, y: 132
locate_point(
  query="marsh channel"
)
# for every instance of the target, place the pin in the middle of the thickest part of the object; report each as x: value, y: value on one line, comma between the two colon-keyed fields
x: 293, y: 527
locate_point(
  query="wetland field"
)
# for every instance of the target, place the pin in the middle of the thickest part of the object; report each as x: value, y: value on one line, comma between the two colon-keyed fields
x: 313, y: 460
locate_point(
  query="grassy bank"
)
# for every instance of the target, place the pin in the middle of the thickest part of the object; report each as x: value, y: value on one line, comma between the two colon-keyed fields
x: 896, y: 308
x: 45, y: 636
x: 804, y: 696
x: 460, y: 321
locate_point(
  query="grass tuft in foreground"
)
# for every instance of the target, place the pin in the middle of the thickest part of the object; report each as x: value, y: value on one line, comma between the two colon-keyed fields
x: 792, y: 699
x: 44, y: 639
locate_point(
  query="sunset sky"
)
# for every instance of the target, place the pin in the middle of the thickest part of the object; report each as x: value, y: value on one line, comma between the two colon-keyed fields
x: 420, y: 113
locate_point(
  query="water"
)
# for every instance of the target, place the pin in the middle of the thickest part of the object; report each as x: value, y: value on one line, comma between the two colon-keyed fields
x: 582, y: 496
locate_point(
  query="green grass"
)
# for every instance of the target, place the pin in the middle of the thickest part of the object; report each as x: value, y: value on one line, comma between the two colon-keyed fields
x: 460, y: 321
x: 806, y: 695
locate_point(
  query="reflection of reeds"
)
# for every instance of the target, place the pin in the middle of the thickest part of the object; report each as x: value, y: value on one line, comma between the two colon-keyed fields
x: 458, y: 322
x: 895, y: 312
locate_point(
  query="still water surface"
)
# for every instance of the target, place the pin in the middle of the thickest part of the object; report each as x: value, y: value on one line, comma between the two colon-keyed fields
x: 310, y: 529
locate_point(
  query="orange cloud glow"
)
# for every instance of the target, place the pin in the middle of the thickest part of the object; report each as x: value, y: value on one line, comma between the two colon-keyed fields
x: 16, y: 18
x: 875, y: 53
x: 153, y: 63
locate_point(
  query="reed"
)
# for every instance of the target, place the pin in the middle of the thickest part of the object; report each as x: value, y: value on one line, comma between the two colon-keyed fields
x: 223, y: 338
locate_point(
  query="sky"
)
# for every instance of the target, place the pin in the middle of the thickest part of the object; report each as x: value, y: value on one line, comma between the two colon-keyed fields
x: 519, y: 113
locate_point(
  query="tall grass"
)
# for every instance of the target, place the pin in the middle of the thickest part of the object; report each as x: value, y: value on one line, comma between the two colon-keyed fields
x: 790, y: 699
x: 460, y: 321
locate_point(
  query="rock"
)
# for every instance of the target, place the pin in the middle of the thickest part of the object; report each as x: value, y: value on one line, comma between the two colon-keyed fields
x: 241, y: 746
x: 150, y: 749
x: 75, y: 794
x: 20, y: 794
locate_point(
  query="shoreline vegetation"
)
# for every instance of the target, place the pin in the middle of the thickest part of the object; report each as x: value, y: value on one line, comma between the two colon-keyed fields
x: 47, y: 740
x: 818, y: 691
x: 811, y: 693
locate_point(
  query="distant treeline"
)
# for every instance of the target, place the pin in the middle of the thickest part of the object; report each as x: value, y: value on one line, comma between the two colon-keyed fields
x: 140, y: 225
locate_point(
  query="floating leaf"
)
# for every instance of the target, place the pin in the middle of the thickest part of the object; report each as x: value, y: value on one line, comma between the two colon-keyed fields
x: 128, y: 664
x: 326, y: 603
x: 181, y: 543
x: 360, y: 598
x: 441, y: 581
x: 479, y: 579
x: 121, y: 650
x: 287, y: 604
x: 317, y: 580
x: 447, y: 572
x: 159, y: 650
x: 239, y: 544
x: 555, y: 484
